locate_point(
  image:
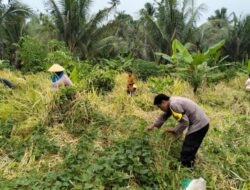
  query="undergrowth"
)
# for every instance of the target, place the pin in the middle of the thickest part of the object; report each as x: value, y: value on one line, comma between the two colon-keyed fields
x: 80, y: 139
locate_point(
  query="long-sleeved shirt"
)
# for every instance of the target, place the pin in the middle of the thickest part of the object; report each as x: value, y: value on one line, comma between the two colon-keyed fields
x: 64, y: 80
x: 187, y: 113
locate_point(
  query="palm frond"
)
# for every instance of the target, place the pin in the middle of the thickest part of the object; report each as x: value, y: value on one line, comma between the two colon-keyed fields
x: 55, y: 11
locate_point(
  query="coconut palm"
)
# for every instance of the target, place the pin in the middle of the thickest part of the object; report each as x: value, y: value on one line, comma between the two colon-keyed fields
x: 13, y: 17
x: 77, y: 28
x: 169, y: 22
x: 229, y: 27
x: 238, y: 42
x: 221, y: 14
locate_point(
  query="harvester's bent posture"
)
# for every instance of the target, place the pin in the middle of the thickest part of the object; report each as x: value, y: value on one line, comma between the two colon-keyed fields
x: 59, y: 77
x: 190, y: 116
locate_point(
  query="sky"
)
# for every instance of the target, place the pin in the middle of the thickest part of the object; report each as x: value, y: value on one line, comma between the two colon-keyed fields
x: 240, y: 7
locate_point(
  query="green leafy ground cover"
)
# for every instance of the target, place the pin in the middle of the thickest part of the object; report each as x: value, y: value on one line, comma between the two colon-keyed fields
x: 78, y: 139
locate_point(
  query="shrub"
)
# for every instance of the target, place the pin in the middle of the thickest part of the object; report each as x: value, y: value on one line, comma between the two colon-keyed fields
x: 160, y: 85
x: 225, y: 73
x: 32, y: 54
x: 58, y: 53
x: 63, y: 58
x: 4, y: 64
x: 117, y: 64
x: 102, y: 81
x: 144, y: 69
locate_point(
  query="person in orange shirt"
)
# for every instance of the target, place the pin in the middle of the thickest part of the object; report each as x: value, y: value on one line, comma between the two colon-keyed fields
x: 131, y: 87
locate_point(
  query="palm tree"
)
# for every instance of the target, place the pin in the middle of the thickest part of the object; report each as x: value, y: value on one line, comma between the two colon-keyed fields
x: 238, y: 42
x: 115, y: 3
x: 13, y: 21
x: 170, y: 22
x: 148, y: 9
x: 220, y: 14
x: 41, y: 27
x: 213, y: 31
x: 218, y: 27
x: 77, y: 28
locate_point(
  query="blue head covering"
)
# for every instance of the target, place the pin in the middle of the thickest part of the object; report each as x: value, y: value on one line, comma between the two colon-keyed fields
x: 57, y: 76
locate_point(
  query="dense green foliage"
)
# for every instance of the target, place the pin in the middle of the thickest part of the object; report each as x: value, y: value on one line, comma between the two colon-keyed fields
x: 144, y: 69
x: 90, y: 37
x: 33, y: 54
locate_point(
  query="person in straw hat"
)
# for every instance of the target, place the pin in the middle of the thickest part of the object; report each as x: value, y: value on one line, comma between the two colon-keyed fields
x: 59, y: 78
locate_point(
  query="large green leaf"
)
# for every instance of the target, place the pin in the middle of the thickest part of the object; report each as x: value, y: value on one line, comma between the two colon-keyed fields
x: 212, y: 50
x: 186, y: 56
x: 199, y: 58
x: 164, y: 56
x: 74, y: 75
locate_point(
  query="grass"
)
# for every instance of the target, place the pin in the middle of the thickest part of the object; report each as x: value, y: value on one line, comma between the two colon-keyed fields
x: 76, y: 139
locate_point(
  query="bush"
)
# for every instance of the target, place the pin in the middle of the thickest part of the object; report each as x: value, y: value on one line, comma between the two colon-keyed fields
x: 102, y: 81
x: 59, y: 54
x: 81, y: 72
x: 225, y: 73
x: 5, y: 64
x: 32, y: 54
x: 117, y: 64
x: 160, y: 85
x: 144, y: 69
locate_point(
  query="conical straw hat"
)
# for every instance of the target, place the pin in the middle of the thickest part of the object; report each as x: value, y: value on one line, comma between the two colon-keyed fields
x: 56, y: 68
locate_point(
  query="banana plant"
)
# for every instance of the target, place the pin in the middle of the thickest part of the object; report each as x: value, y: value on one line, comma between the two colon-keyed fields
x: 193, y: 66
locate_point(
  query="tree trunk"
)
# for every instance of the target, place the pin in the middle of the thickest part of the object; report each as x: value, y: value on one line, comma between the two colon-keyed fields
x: 17, y: 61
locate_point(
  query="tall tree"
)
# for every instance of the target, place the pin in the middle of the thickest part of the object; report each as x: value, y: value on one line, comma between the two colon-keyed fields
x: 171, y: 20
x: 238, y: 42
x: 13, y: 17
x: 220, y: 26
x: 41, y: 27
x: 220, y: 14
x: 77, y: 28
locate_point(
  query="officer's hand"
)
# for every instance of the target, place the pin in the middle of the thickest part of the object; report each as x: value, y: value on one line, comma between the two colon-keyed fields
x: 150, y: 128
x: 170, y: 130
